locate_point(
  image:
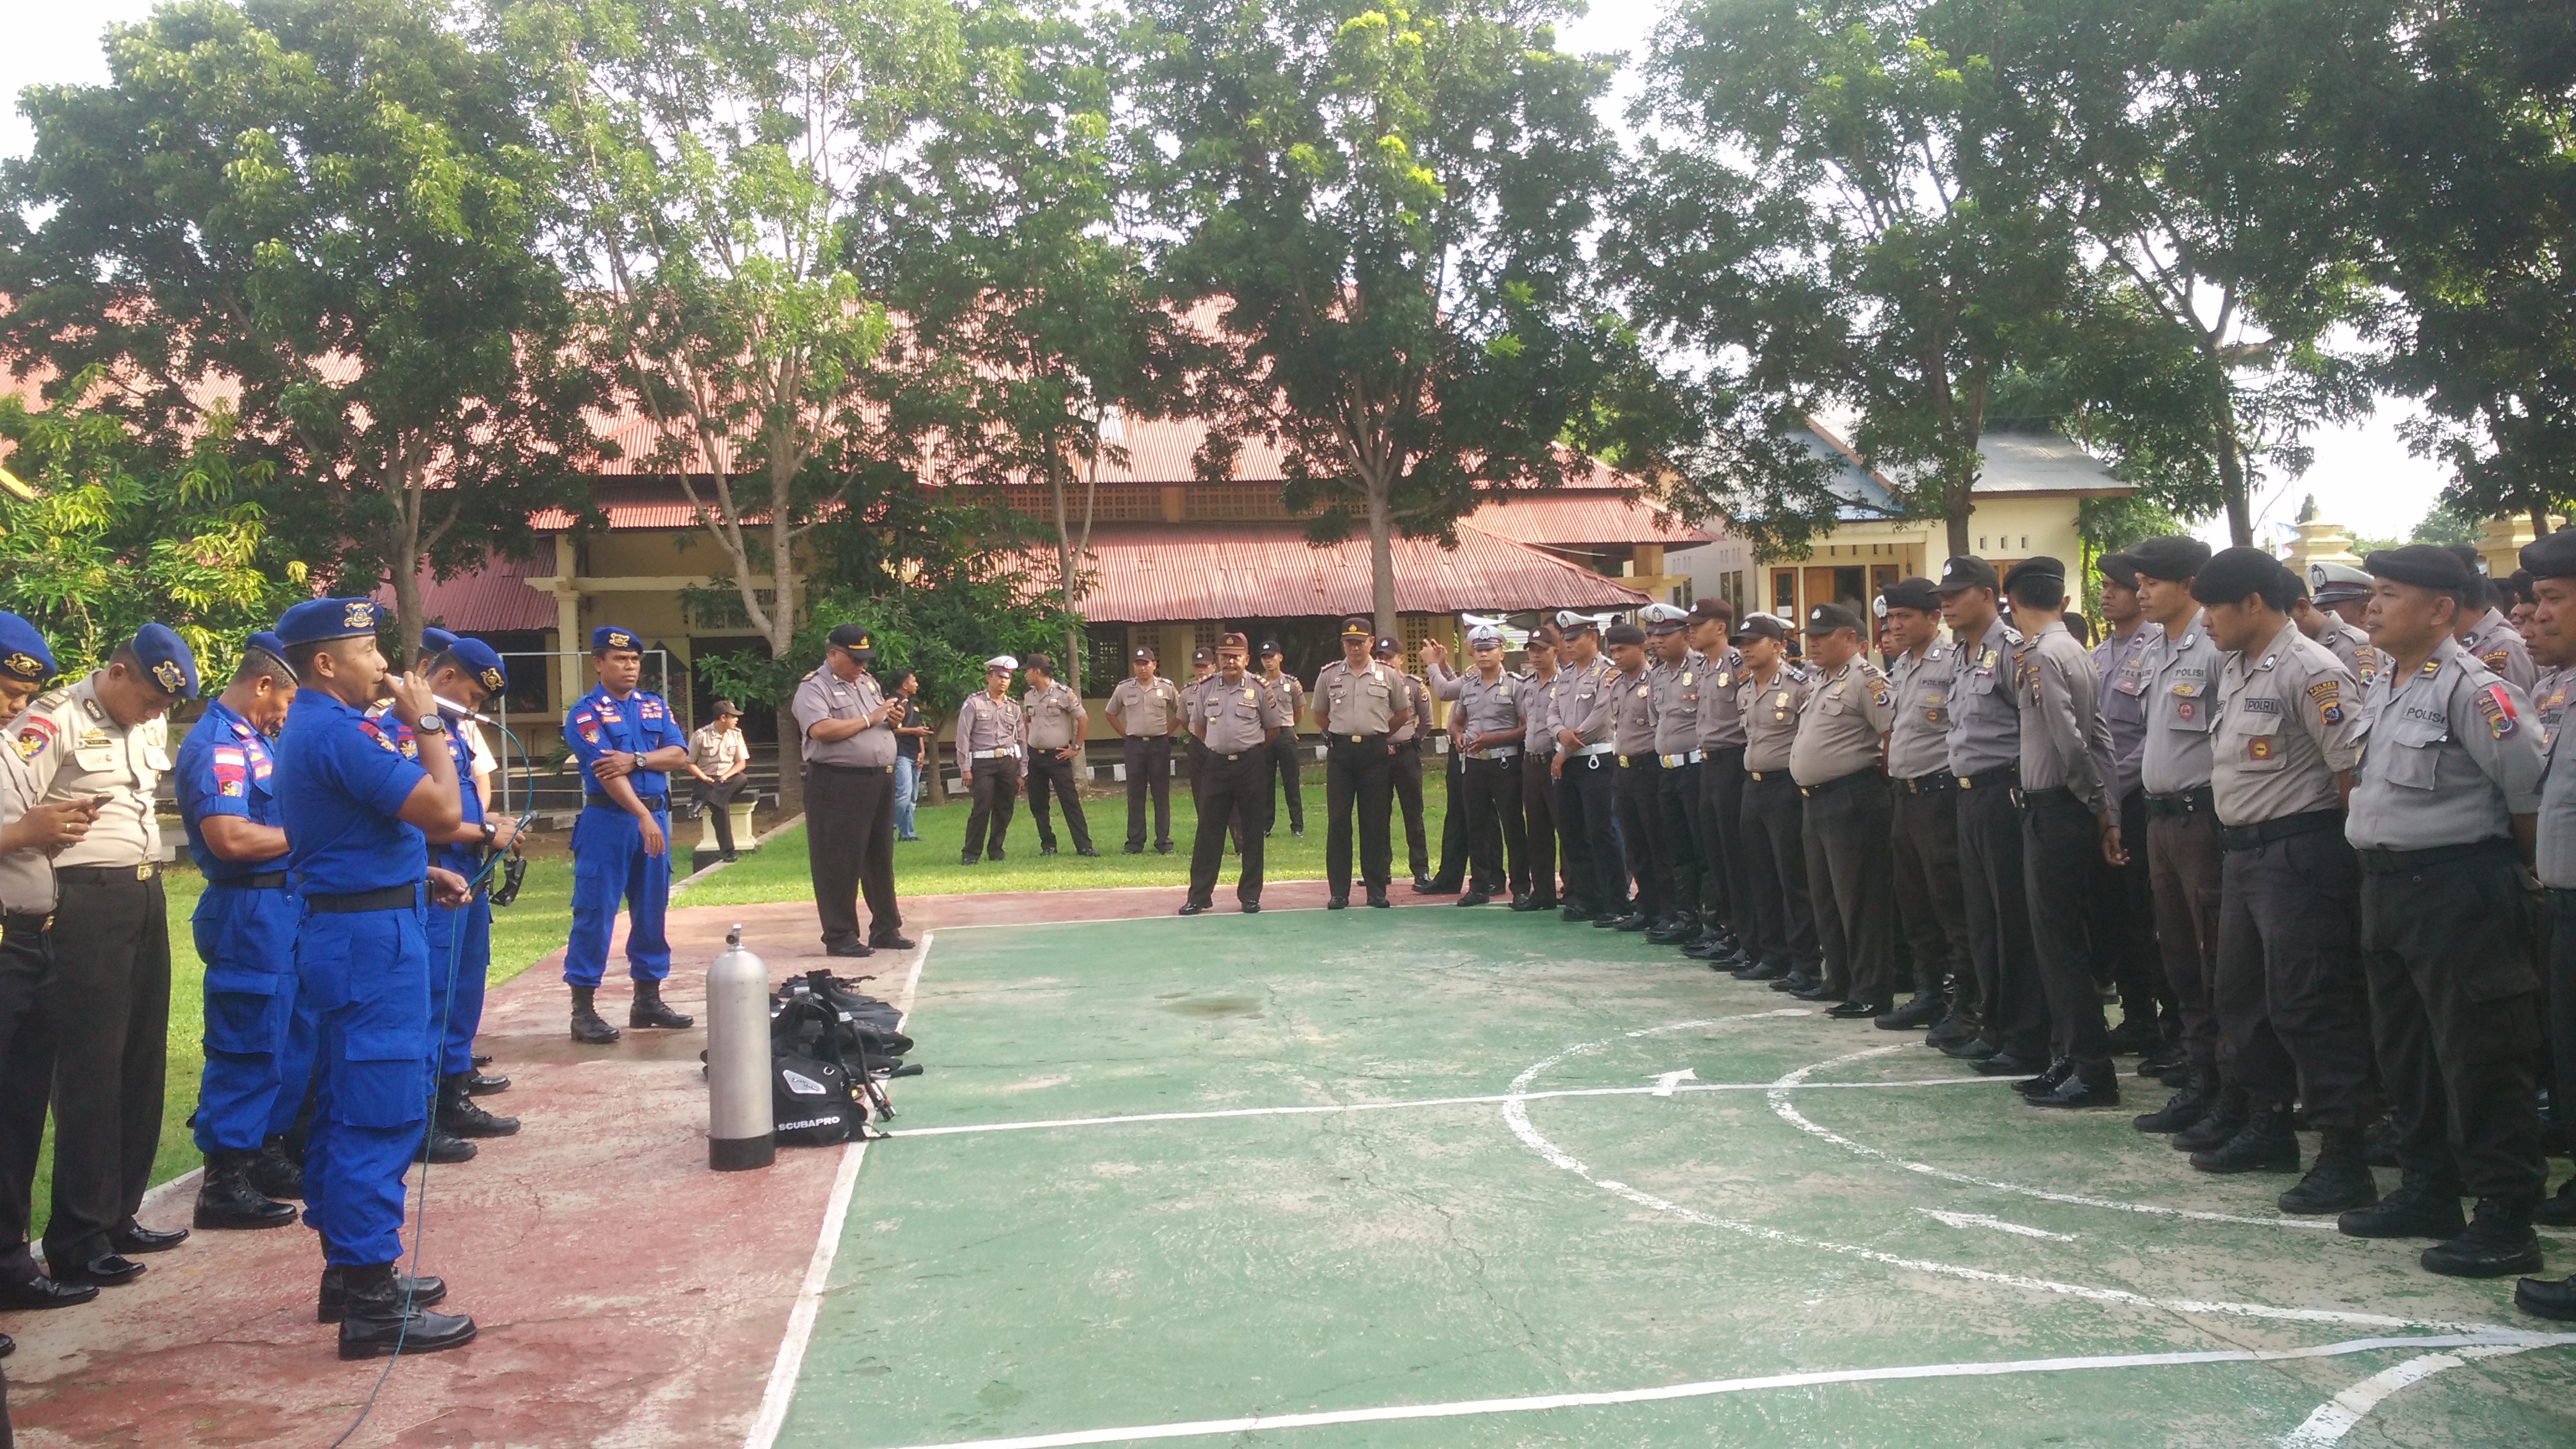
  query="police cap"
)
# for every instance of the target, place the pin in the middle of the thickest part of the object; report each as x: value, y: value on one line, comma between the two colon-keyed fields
x: 2042, y: 567
x: 727, y: 709
x: 23, y: 655
x: 1826, y: 618
x: 1484, y: 634
x: 853, y: 640
x: 2553, y: 557
x: 1142, y: 656
x: 1547, y: 636
x: 317, y: 621
x: 1000, y: 664
x: 1662, y: 619
x: 1569, y: 622
x: 1356, y: 627
x: 483, y: 662
x: 1624, y: 634
x: 1762, y: 626
x: 1201, y: 656
x: 1918, y: 594
x: 1268, y: 648
x: 2424, y: 565
x: 1232, y: 644
x: 2232, y: 573
x: 1384, y: 648
x: 2333, y: 583
x: 610, y: 636
x: 166, y: 660
x: 2168, y: 556
x: 1966, y: 572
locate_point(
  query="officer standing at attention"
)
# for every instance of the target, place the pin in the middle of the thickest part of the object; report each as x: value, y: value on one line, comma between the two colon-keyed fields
x: 2330, y: 613
x: 1056, y: 721
x: 846, y: 725
x: 2444, y: 803
x: 989, y: 730
x: 2067, y: 821
x: 1538, y: 765
x: 2551, y: 562
x: 1236, y: 718
x: 1721, y: 789
x: 1283, y: 747
x: 1679, y: 677
x: 1145, y: 710
x: 1985, y: 758
x: 2483, y: 629
x: 1358, y: 703
x: 1629, y: 710
x: 1768, y: 695
x: 1486, y: 718
x: 244, y: 926
x: 358, y: 811
x: 1924, y: 826
x: 31, y: 835
x: 1404, y: 764
x: 2123, y: 898
x: 105, y: 738
x: 1837, y: 757
x: 1202, y: 673
x: 2290, y: 992
x: 1587, y: 776
x: 627, y: 743
x: 468, y: 673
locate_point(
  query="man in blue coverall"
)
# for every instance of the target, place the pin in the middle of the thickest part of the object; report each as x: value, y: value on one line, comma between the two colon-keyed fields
x: 356, y: 810
x: 257, y: 1059
x: 627, y: 743
x: 464, y: 672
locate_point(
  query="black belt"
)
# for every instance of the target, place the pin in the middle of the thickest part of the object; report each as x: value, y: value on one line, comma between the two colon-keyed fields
x: 2264, y: 832
x: 1988, y: 779
x: 2046, y: 795
x: 18, y: 927
x: 1164, y: 736
x: 1839, y: 781
x: 1760, y: 776
x: 391, y: 898
x: 2399, y: 862
x: 105, y: 874
x: 2561, y: 901
x: 266, y: 880
x: 611, y: 802
x: 2187, y: 802
x: 828, y: 766
x: 1350, y: 739
x: 1932, y: 784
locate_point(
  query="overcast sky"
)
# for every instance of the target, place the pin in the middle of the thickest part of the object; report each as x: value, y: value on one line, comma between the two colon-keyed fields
x: 2363, y: 477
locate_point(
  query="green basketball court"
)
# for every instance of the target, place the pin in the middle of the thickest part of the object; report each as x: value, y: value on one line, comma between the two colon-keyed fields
x: 1431, y: 1177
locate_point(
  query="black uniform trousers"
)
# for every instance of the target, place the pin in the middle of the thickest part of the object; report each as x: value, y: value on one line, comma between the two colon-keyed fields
x: 2187, y: 863
x: 1999, y: 944
x: 1846, y: 828
x: 1721, y: 790
x: 1639, y: 809
x: 849, y: 848
x: 994, y: 787
x: 2060, y: 842
x: 2455, y: 1014
x: 1452, y: 872
x: 1682, y: 831
x: 1284, y: 765
x: 1356, y: 776
x: 1226, y: 784
x: 1780, y: 912
x: 108, y: 996
x: 1595, y: 877
x: 1049, y: 773
x: 2122, y: 917
x: 1404, y: 773
x: 26, y: 1076
x: 1931, y: 905
x: 1497, y: 837
x: 2562, y: 1004
x: 1538, y: 812
x: 2290, y: 993
x: 718, y: 798
x: 1149, y: 767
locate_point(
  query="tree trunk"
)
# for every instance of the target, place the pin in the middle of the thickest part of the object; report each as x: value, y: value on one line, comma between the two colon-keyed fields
x: 2231, y: 479
x: 1958, y: 505
x: 1381, y: 559
x: 407, y: 618
x: 2539, y: 521
x: 791, y: 762
x: 1064, y: 578
x: 930, y: 757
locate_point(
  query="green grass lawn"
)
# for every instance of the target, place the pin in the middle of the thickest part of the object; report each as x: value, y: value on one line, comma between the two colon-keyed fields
x: 535, y: 925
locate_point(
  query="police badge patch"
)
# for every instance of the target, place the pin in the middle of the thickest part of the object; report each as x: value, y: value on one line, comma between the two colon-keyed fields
x: 2497, y: 708
x: 2328, y: 700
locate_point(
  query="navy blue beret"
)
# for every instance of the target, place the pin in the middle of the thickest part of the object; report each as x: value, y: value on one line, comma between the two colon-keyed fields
x: 482, y: 662
x: 610, y: 636
x: 166, y: 660
x: 318, y: 621
x: 434, y: 640
x: 23, y: 654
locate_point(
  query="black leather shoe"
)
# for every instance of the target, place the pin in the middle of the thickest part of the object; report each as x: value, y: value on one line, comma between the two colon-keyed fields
x: 8, y: 1345
x: 1762, y: 971
x: 1377, y: 900
x: 131, y: 1237
x: 849, y: 949
x: 478, y: 1060
x: 2340, y: 1182
x: 994, y: 854
x: 2047, y: 1081
x: 1923, y: 1010
x: 1191, y: 908
x: 29, y: 1289
x: 2559, y: 1211
x: 2266, y: 1143
x: 1972, y: 1049
x: 1521, y: 902
x: 2009, y: 1064
x: 891, y: 941
x: 1954, y: 1028
x: 1851, y: 1011
x: 443, y: 1147
x: 2498, y: 1243
x: 965, y: 859
x: 1796, y: 981
x: 2093, y: 1084
x: 107, y: 1270
x: 2547, y: 1300
x: 1608, y: 920
x: 1086, y: 852
x: 2162, y: 1060
x: 1818, y: 992
x: 1163, y: 849
x: 226, y: 1199
x: 1134, y: 849
x: 2183, y: 1110
x: 1422, y: 886
x: 1474, y: 898
x: 480, y: 1084
x: 2417, y: 1209
x: 332, y: 1304
x: 2218, y: 1126
x: 2135, y: 1036
x: 376, y: 1320
x: 1337, y: 903
x: 1252, y: 908
x: 1571, y: 914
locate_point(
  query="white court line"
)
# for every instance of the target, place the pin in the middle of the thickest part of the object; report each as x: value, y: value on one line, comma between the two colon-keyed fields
x: 1980, y: 1220
x: 2504, y: 1341
x: 1792, y: 1116
x: 781, y: 1390
x: 2336, y: 1416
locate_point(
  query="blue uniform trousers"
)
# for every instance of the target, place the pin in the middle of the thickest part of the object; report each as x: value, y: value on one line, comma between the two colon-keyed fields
x: 257, y: 1062
x: 456, y: 972
x: 609, y: 864
x: 364, y: 977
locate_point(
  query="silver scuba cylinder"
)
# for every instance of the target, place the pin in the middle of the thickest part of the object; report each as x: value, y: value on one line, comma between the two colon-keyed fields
x: 740, y: 1130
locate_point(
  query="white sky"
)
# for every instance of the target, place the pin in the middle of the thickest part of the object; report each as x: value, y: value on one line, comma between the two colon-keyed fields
x: 2363, y: 478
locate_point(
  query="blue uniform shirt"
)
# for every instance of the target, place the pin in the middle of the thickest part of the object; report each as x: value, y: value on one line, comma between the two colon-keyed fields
x: 462, y: 857
x: 225, y: 769
x: 340, y: 779
x: 639, y: 724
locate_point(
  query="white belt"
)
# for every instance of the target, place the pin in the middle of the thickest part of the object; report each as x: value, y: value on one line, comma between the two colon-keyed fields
x: 1675, y: 762
x: 1498, y: 752
x: 1600, y: 749
x: 1008, y: 754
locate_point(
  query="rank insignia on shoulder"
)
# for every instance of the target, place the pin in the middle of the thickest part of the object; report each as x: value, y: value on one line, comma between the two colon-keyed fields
x: 2496, y: 707
x: 2431, y: 666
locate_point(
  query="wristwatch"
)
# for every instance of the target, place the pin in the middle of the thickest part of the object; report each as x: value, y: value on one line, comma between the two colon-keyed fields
x: 489, y: 830
x: 431, y: 723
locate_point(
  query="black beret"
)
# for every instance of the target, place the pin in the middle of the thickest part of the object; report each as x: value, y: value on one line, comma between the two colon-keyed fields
x: 2424, y: 565
x: 1967, y: 571
x: 2470, y: 559
x: 2232, y: 573
x: 1918, y: 594
x: 1762, y: 626
x: 1624, y: 634
x: 2553, y: 557
x: 1826, y: 618
x: 2042, y: 567
x: 2120, y: 569
x: 2168, y: 556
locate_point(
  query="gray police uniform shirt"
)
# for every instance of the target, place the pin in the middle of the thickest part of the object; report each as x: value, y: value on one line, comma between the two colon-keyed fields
x: 2182, y: 693
x: 988, y: 727
x: 1721, y: 713
x: 1357, y: 703
x: 2289, y: 719
x: 79, y: 752
x: 2498, y: 646
x: 2549, y: 696
x: 1538, y: 712
x: 1481, y: 708
x: 1291, y: 695
x: 1190, y: 693
x: 1417, y: 697
x: 1770, y: 710
x: 2063, y: 739
x: 2452, y: 754
x: 1984, y: 705
x: 2555, y: 860
x: 1918, y: 739
x: 1054, y: 716
x: 1631, y: 714
x: 26, y: 875
x: 824, y: 696
x: 1233, y: 718
x: 1582, y: 699
x: 1845, y: 714
x: 1679, y: 690
x: 1146, y: 709
x: 2118, y: 663
x: 2352, y: 647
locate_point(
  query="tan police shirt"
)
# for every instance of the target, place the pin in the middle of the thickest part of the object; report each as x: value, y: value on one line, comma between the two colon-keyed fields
x: 1417, y: 697
x: 75, y: 750
x: 26, y: 876
x: 1842, y: 719
x: 1581, y: 700
x: 1357, y: 703
x: 1146, y: 710
x: 1234, y: 718
x: 1054, y: 716
x: 989, y: 727
x: 1721, y: 714
x: 718, y: 752
x: 1770, y: 709
x: 2289, y: 718
x: 2063, y: 738
x: 1291, y: 693
x: 823, y: 695
x: 1680, y: 690
x: 1918, y: 740
x: 2451, y: 754
x: 1631, y: 716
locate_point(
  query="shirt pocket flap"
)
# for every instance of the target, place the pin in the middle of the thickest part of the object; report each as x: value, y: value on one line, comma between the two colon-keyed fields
x: 2186, y: 708
x: 2413, y: 750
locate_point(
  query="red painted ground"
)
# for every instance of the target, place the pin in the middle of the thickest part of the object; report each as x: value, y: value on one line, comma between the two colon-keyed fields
x: 626, y: 1294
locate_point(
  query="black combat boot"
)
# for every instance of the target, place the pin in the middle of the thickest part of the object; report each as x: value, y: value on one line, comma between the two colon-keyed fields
x: 276, y: 1171
x: 333, y: 1304
x: 1925, y: 1008
x: 438, y: 1145
x: 648, y: 1009
x: 2184, y: 1109
x: 2091, y: 1084
x: 460, y: 1116
x: 2419, y: 1208
x: 2340, y: 1181
x: 587, y: 1028
x: 376, y: 1319
x: 2497, y: 1243
x: 479, y: 1083
x: 227, y: 1200
x: 2266, y: 1143
x: 2559, y: 1211
x: 2225, y: 1118
x: 2047, y: 1081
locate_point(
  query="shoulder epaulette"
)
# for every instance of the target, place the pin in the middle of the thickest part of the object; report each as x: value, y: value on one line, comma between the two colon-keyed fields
x: 50, y: 698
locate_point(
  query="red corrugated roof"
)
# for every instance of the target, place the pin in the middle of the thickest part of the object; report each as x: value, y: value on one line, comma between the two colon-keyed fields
x: 1146, y: 573
x: 493, y: 599
x: 1583, y: 517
